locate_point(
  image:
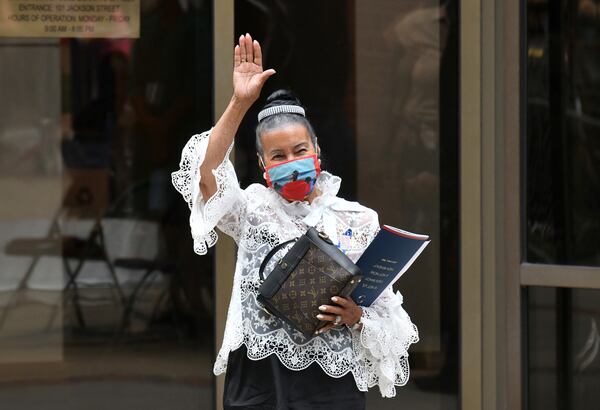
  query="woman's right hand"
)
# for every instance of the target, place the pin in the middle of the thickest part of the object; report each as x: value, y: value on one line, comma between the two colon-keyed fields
x: 248, y: 74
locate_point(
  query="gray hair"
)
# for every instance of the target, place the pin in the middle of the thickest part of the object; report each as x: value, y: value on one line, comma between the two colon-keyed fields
x: 277, y: 121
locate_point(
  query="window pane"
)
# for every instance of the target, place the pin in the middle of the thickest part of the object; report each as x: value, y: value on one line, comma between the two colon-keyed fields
x: 103, y: 304
x: 379, y: 80
x: 562, y: 180
x: 563, y: 345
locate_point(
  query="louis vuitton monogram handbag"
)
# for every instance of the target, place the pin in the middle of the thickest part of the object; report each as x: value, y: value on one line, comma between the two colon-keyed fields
x: 308, y: 276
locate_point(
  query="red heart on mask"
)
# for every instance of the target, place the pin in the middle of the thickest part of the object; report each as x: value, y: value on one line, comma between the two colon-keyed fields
x: 295, y: 190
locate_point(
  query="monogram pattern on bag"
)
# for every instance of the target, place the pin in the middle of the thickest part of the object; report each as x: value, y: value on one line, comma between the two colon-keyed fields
x: 314, y: 281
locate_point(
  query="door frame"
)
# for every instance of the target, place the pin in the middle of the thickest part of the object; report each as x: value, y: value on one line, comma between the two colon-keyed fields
x: 225, y: 249
x: 493, y: 40
x: 491, y: 275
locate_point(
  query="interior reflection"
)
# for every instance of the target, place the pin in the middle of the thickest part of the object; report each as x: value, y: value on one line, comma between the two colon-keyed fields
x: 563, y: 121
x: 562, y: 181
x: 563, y: 348
x: 99, y: 288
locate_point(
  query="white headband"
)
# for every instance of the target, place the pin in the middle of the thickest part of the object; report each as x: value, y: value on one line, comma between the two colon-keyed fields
x: 280, y: 109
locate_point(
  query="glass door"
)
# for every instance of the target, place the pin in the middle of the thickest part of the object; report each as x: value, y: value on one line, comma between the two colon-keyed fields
x: 561, y: 225
x: 103, y: 303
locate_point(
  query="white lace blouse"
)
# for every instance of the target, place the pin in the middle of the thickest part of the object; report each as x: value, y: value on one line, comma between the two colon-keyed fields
x: 258, y: 219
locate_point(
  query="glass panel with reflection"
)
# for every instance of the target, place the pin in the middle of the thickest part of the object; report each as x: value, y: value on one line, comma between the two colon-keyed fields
x: 562, y: 162
x: 102, y: 302
x: 563, y: 348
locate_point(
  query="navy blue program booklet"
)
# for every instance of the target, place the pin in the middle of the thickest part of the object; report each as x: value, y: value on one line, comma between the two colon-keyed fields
x: 388, y: 256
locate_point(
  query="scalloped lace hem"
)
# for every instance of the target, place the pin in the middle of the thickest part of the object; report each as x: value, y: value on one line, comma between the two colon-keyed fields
x: 387, y: 373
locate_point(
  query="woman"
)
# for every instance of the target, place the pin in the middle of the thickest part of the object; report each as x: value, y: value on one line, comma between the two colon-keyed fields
x: 269, y: 364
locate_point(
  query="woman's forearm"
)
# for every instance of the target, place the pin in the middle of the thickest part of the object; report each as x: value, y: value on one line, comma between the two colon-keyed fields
x: 220, y: 139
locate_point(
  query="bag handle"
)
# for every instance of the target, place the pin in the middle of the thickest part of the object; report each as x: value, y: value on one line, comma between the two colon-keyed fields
x: 272, y: 252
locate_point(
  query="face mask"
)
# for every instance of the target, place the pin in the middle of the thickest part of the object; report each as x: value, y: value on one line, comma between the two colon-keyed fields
x: 295, y: 179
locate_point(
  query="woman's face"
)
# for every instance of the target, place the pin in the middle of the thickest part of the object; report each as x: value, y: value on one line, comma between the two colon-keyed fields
x: 286, y: 143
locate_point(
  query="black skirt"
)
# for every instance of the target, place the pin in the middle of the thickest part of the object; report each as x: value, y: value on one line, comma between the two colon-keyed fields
x: 268, y: 385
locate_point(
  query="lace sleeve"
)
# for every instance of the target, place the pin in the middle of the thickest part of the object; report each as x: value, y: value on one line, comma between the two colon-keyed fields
x: 224, y: 209
x: 386, y: 334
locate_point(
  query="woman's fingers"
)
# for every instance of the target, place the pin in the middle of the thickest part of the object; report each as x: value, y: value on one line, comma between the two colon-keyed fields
x: 257, y: 53
x: 236, y: 56
x: 325, y: 328
x: 334, y: 310
x: 249, y: 48
x: 330, y: 314
x: 243, y: 54
x: 326, y: 318
x: 344, y: 302
x: 265, y: 76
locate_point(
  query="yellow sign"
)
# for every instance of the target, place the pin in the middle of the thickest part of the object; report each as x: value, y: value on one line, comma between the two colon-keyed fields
x: 70, y: 18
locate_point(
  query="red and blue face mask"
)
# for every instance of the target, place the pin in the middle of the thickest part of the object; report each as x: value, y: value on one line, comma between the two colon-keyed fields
x: 294, y: 179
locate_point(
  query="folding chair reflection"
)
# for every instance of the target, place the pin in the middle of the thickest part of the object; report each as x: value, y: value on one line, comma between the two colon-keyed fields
x: 85, y: 201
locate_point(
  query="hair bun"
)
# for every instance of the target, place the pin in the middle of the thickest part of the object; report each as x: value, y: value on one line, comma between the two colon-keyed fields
x: 282, y: 97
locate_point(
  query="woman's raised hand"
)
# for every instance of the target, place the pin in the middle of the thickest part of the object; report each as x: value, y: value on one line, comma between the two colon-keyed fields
x: 248, y: 74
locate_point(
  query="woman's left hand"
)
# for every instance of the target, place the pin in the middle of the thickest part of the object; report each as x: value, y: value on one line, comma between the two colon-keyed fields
x: 349, y: 313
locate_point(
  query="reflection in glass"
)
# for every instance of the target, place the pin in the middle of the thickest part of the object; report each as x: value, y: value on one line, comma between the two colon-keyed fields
x: 102, y: 302
x: 381, y: 89
x: 563, y: 125
x: 31, y: 185
x: 563, y: 348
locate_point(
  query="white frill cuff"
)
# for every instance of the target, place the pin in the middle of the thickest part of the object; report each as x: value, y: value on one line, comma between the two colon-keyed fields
x: 386, y: 334
x: 205, y: 215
